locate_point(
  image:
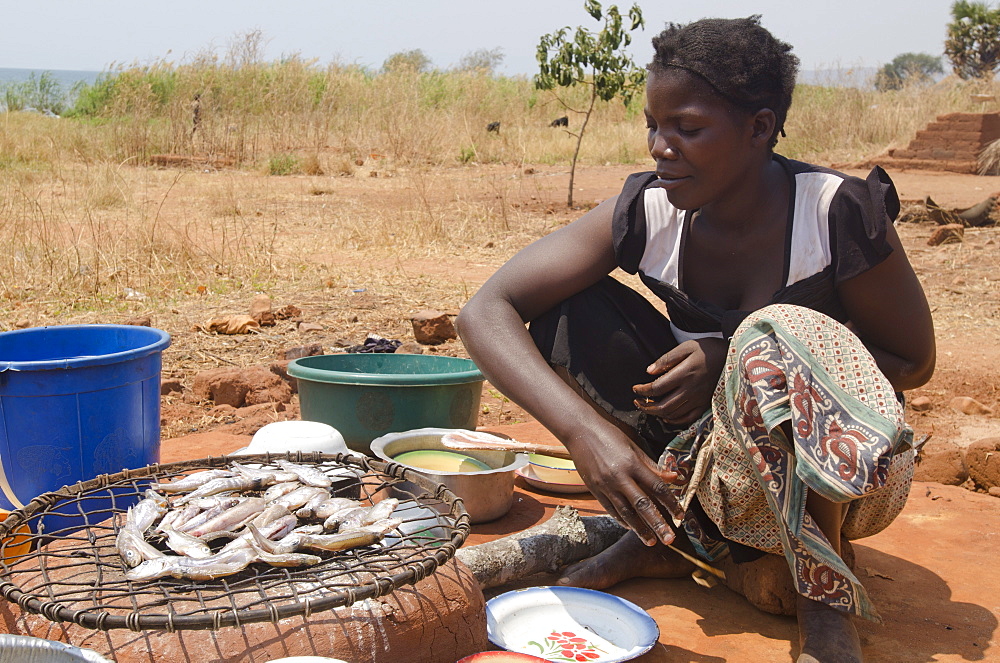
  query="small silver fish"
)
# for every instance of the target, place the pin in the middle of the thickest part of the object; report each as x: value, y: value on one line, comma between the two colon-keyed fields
x: 231, y: 519
x: 279, y: 489
x: 270, y: 514
x: 308, y: 510
x: 298, y: 498
x: 191, y: 481
x: 237, y: 483
x: 133, y: 548
x: 333, y: 505
x: 276, y: 559
x: 185, y: 544
x: 146, y: 512
x: 218, y: 565
x: 331, y: 542
x: 307, y: 475
x: 223, y: 499
x: 350, y: 518
x: 269, y: 477
x: 280, y: 527
x: 200, y: 518
x: 381, y: 510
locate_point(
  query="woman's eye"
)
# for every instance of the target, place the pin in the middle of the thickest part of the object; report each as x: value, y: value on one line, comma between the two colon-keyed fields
x: 689, y: 131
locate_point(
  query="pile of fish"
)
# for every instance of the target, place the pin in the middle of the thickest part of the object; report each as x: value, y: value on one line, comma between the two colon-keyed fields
x: 268, y: 515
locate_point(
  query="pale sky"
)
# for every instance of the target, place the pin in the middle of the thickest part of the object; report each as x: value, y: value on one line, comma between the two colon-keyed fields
x: 93, y: 34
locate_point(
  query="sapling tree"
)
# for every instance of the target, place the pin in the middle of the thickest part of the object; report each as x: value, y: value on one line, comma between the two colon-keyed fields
x: 598, y: 60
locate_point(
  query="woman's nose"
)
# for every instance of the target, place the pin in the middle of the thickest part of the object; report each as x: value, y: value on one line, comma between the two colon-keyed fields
x: 663, y: 149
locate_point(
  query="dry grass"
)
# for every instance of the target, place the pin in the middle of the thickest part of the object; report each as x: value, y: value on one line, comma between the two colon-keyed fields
x: 86, y: 225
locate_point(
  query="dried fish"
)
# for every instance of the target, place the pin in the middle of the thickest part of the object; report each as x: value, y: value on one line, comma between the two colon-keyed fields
x: 219, y: 504
x: 278, y: 559
x: 332, y: 506
x: 270, y: 514
x: 279, y: 489
x: 381, y: 510
x: 133, y: 548
x: 269, y: 477
x: 330, y: 542
x: 308, y: 510
x: 307, y: 475
x: 192, y: 481
x: 185, y: 544
x: 231, y: 519
x: 350, y: 518
x: 200, y: 518
x: 237, y: 483
x: 221, y: 564
x: 146, y: 511
x: 300, y: 497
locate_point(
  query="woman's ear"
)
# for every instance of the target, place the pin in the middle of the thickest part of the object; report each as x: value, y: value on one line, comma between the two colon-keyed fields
x: 764, y: 123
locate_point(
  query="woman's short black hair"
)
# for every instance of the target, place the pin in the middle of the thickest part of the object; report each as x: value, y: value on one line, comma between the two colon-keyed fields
x: 738, y: 57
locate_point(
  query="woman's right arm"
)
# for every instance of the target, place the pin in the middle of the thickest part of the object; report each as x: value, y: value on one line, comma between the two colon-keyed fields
x: 492, y: 327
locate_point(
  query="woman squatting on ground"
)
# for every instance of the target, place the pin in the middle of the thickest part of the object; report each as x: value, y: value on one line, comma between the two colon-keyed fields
x: 770, y: 395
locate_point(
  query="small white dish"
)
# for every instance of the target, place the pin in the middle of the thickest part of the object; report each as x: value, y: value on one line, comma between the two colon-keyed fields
x: 283, y: 436
x: 550, y: 622
x: 528, y: 475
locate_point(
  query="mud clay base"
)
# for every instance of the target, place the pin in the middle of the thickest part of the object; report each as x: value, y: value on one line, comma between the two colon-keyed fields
x: 439, y: 620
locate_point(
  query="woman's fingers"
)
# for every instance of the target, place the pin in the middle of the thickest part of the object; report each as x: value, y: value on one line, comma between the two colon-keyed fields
x: 645, y: 513
x: 670, y: 407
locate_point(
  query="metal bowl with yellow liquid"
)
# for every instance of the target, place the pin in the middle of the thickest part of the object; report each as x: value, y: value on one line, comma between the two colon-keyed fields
x: 483, y: 479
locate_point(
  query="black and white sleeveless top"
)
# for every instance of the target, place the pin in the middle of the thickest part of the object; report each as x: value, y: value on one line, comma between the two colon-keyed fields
x: 836, y: 230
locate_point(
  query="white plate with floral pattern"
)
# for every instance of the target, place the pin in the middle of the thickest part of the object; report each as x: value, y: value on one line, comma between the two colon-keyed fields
x: 570, y: 624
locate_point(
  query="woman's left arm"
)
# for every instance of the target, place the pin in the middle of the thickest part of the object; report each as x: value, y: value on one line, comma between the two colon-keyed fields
x: 888, y: 311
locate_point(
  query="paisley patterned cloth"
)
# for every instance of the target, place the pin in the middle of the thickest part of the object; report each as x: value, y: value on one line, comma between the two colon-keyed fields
x: 849, y: 443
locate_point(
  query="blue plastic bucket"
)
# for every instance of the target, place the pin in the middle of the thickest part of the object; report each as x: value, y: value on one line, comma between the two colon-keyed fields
x: 76, y: 401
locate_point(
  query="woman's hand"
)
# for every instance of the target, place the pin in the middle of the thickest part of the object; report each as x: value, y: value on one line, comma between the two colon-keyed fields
x: 688, y: 376
x: 626, y: 482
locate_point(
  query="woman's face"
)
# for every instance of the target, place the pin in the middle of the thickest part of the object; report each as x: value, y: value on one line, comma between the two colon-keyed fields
x: 703, y: 145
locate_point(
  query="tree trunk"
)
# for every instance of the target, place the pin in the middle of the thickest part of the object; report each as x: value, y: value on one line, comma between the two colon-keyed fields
x: 562, y: 539
x: 579, y: 140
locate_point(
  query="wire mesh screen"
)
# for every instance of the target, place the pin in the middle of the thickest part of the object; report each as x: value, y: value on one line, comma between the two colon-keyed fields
x: 60, y: 559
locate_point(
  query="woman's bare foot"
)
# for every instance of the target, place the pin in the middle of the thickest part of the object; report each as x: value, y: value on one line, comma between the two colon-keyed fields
x: 627, y: 558
x: 826, y: 635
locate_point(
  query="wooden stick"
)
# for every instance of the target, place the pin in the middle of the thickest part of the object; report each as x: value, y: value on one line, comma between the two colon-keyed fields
x: 478, y: 441
x: 700, y: 564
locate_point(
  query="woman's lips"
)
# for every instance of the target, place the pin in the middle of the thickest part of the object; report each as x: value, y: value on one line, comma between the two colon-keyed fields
x: 669, y: 182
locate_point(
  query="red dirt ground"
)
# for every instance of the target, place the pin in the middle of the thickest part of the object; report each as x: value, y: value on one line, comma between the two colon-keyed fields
x: 930, y: 573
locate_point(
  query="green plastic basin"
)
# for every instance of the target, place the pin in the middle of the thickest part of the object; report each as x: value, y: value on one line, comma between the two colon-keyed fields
x: 365, y: 395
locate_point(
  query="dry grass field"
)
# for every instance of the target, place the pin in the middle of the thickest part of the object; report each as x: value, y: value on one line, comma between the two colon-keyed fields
x: 362, y: 199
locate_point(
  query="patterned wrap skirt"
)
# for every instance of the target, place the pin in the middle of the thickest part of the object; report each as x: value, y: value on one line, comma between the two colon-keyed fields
x: 788, y: 368
x: 849, y: 443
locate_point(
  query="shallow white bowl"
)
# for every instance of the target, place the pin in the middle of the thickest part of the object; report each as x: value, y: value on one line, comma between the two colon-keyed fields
x: 531, y: 478
x: 282, y: 436
x: 545, y: 620
x: 554, y: 470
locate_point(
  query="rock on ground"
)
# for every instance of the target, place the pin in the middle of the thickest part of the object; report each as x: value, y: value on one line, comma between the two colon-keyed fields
x: 241, y: 386
x: 432, y: 327
x: 983, y: 460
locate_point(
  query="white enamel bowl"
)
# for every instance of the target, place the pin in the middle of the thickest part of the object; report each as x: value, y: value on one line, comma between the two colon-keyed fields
x: 550, y: 622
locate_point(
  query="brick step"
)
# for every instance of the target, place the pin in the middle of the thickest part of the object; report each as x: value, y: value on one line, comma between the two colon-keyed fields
x: 948, y: 132
x: 953, y: 166
x: 936, y: 153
